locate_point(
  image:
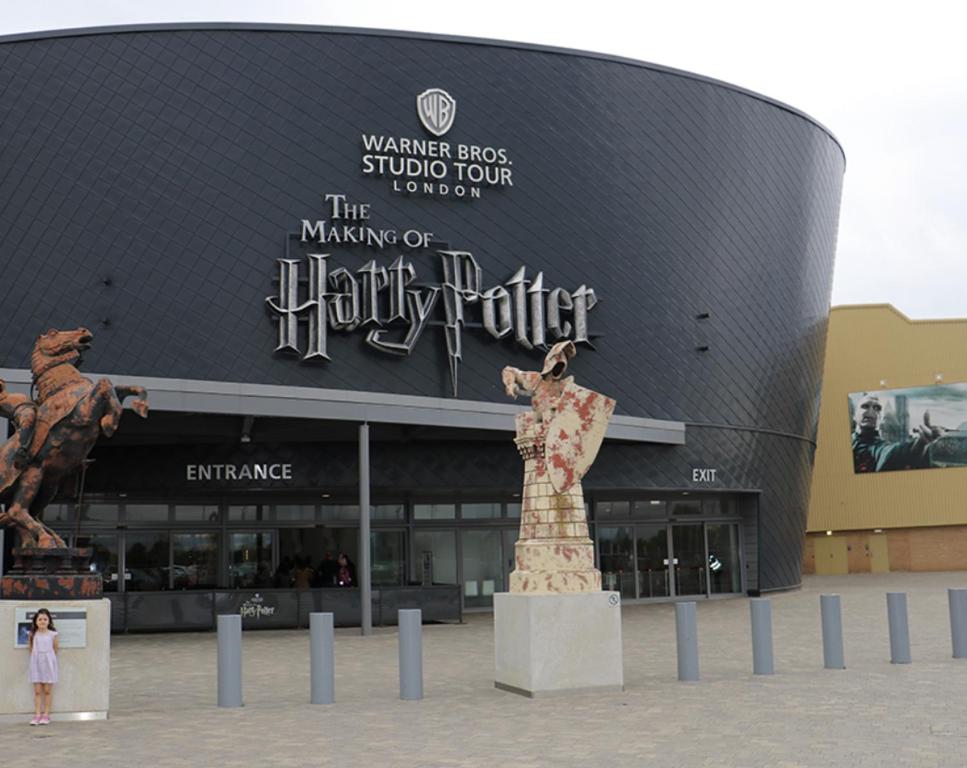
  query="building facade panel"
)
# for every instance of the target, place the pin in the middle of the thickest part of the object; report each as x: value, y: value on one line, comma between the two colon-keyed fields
x: 155, y: 179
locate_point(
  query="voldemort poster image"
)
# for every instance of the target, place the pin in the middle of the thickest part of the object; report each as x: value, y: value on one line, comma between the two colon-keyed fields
x: 913, y: 428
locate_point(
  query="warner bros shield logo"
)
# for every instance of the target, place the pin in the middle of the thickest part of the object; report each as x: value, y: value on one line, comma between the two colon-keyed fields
x: 436, y: 109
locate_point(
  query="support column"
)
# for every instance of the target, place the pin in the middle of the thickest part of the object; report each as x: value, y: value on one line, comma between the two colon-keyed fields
x: 363, y: 572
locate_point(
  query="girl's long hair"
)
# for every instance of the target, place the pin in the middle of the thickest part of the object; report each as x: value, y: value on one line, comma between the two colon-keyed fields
x: 50, y: 621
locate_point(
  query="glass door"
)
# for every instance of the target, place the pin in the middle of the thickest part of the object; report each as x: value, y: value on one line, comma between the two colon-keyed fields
x: 482, y: 567
x: 651, y: 544
x: 616, y: 558
x: 723, y: 558
x: 689, y: 564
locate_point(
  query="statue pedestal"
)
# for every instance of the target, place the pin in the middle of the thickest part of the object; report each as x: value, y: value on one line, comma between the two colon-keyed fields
x: 60, y: 573
x: 83, y: 691
x: 558, y: 643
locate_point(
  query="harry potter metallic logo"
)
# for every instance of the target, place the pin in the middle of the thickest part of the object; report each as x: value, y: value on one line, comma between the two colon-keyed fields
x: 394, y: 309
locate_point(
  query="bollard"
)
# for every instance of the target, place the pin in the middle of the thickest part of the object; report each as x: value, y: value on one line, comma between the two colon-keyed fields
x: 896, y: 611
x: 958, y: 621
x: 760, y: 610
x: 411, y: 653
x: 686, y: 633
x: 832, y: 632
x: 322, y: 665
x: 230, y: 661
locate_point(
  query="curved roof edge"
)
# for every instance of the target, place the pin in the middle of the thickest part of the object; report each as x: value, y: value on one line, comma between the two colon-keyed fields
x: 269, y: 27
x: 889, y: 307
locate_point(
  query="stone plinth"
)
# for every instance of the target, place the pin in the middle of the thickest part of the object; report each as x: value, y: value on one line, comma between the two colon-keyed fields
x: 59, y: 573
x: 83, y: 692
x: 558, y: 643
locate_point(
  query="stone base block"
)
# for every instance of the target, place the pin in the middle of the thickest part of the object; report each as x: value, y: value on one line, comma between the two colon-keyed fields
x: 83, y: 691
x: 60, y: 586
x: 555, y: 644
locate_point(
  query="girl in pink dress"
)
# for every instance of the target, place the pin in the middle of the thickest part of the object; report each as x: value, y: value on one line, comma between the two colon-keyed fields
x: 43, y: 664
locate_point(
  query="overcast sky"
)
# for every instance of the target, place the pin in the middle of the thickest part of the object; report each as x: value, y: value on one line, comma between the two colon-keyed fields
x: 889, y: 80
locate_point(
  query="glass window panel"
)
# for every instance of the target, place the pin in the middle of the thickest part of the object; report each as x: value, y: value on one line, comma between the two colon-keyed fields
x: 58, y: 513
x: 386, y: 556
x: 482, y: 571
x: 616, y: 549
x: 437, y: 550
x: 340, y: 512
x: 100, y: 513
x: 652, y: 552
x: 678, y: 508
x: 250, y: 559
x: 295, y: 511
x: 146, y: 561
x: 104, y: 559
x: 306, y: 556
x: 688, y: 548
x: 145, y: 512
x: 649, y: 508
x: 388, y: 512
x: 434, y: 512
x: 480, y: 510
x: 605, y: 510
x: 197, y: 512
x: 194, y: 560
x: 513, y: 510
x: 247, y: 512
x: 723, y: 558
x: 712, y: 507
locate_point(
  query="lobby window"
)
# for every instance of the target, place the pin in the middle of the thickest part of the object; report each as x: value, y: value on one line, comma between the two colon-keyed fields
x: 139, y: 513
x: 196, y: 513
x: 610, y: 510
x: 247, y: 512
x: 295, y: 512
x: 100, y: 513
x: 194, y: 560
x: 146, y: 561
x: 434, y: 511
x: 479, y: 511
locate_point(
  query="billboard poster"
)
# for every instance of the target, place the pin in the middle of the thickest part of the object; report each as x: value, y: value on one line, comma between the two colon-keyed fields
x: 912, y: 428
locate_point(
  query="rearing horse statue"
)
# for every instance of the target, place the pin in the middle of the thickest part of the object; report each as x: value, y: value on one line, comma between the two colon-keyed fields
x: 54, y: 433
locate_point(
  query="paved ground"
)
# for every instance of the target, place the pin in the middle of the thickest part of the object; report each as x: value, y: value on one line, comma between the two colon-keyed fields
x: 871, y: 714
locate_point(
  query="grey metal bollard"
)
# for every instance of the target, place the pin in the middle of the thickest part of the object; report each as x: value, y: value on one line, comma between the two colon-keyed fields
x: 958, y: 621
x: 832, y: 632
x: 896, y: 611
x: 322, y: 665
x: 760, y: 610
x: 230, y: 661
x: 686, y: 634
x: 411, y: 653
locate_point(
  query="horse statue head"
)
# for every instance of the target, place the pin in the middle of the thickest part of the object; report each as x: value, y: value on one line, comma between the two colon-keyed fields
x: 54, y: 357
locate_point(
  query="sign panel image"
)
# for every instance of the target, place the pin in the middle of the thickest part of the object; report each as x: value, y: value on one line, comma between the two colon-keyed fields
x: 912, y: 428
x: 71, y: 625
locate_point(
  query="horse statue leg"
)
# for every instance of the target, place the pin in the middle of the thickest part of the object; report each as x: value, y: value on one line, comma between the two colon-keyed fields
x: 140, y: 403
x: 32, y: 532
x: 104, y: 404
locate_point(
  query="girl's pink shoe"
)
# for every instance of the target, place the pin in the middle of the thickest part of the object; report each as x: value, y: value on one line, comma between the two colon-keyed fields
x: 44, y: 720
x: 36, y: 720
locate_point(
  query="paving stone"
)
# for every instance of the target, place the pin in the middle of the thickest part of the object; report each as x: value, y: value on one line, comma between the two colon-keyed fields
x: 872, y: 713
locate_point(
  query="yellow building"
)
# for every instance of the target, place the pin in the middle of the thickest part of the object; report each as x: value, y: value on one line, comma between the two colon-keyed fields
x: 863, y: 517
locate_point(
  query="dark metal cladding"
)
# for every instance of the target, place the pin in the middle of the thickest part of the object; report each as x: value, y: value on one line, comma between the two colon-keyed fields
x: 152, y: 177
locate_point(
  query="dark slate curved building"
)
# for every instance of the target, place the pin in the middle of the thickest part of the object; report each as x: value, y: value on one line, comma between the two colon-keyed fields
x: 287, y: 233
